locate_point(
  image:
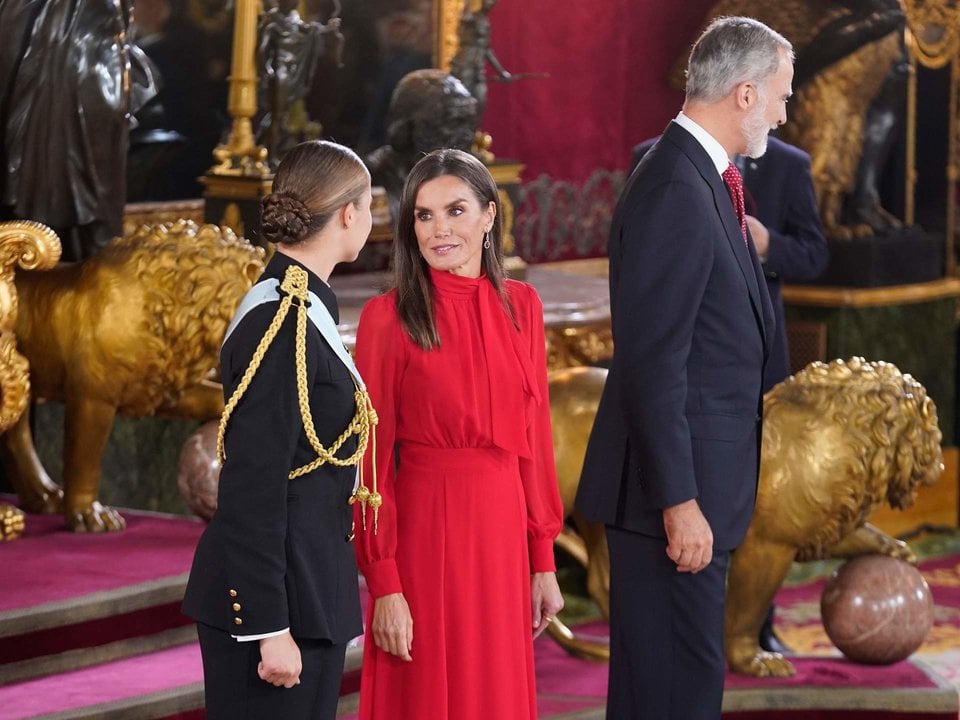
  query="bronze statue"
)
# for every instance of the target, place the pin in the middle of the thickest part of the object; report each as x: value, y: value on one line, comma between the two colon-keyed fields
x: 474, y: 51
x: 71, y: 82
x: 135, y: 329
x: 850, y: 86
x: 469, y: 64
x: 429, y: 109
x: 31, y: 246
x: 839, y: 440
x: 287, y: 53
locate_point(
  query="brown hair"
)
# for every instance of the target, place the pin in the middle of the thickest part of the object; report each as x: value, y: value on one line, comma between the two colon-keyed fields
x: 410, y: 269
x: 314, y: 180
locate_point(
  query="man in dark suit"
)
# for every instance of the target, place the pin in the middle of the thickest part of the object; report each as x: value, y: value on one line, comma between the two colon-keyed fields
x: 671, y: 466
x: 785, y: 227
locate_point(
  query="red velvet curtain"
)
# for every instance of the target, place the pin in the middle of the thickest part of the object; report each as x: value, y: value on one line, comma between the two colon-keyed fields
x: 608, y: 62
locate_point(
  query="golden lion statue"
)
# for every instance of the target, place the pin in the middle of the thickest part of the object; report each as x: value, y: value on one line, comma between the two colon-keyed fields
x: 31, y: 246
x: 839, y: 440
x: 135, y: 329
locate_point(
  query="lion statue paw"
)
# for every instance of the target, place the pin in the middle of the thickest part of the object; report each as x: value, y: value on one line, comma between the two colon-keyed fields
x: 45, y: 499
x: 96, y: 518
x: 760, y: 663
x: 898, y: 549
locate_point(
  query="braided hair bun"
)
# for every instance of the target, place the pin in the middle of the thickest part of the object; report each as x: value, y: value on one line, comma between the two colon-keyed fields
x: 285, y: 218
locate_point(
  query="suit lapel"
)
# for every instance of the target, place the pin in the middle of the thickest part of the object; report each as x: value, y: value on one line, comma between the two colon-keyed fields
x: 728, y: 216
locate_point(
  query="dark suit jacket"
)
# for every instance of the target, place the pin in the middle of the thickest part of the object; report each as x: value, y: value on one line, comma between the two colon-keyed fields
x: 280, y: 545
x: 680, y: 413
x: 780, y: 194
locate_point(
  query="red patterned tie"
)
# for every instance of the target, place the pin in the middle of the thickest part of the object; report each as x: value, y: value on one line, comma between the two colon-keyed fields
x: 731, y: 176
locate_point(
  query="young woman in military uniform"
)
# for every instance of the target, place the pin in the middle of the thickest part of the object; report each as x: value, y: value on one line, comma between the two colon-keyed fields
x: 274, y: 581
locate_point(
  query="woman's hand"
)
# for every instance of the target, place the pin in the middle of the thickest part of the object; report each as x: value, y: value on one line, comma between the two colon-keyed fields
x: 280, y: 661
x: 393, y: 626
x: 546, y: 599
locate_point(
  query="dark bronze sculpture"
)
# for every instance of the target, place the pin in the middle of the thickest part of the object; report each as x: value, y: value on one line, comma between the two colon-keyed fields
x: 70, y: 83
x: 474, y: 52
x: 849, y: 87
x: 287, y: 53
x: 429, y: 109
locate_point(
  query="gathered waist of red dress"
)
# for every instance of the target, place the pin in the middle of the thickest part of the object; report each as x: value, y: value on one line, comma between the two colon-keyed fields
x: 466, y: 459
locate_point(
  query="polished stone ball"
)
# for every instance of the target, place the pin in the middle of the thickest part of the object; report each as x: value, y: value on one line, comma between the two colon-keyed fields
x: 198, y: 470
x: 876, y: 609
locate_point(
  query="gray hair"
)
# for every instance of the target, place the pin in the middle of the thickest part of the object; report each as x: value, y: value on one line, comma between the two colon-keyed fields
x: 730, y: 51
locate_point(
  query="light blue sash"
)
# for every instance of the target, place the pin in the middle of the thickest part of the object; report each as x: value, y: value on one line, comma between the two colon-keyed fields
x: 267, y: 291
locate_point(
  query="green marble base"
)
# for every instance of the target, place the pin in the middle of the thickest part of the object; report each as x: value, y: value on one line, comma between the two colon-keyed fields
x: 139, y: 468
x: 919, y: 338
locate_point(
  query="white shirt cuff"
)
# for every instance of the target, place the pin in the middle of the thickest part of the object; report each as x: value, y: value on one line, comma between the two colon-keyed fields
x: 261, y: 636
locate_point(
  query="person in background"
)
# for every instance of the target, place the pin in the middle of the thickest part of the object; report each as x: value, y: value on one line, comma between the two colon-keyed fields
x: 457, y: 545
x: 273, y: 586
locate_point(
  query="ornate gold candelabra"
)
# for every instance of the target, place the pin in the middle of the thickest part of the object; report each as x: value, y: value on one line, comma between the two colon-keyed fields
x: 241, y: 155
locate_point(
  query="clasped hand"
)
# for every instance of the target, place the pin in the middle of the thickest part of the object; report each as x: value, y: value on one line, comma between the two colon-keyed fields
x: 280, y: 662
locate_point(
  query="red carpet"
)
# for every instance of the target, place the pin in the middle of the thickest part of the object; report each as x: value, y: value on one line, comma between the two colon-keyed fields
x: 50, y: 564
x: 111, y: 682
x: 69, y: 600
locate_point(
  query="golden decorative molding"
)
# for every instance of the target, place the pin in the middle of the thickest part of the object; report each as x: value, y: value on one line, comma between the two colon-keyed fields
x: 572, y: 346
x: 871, y: 297
x: 932, y: 38
x: 505, y: 172
x: 447, y: 24
x: 235, y: 187
x: 934, y: 30
x: 154, y: 213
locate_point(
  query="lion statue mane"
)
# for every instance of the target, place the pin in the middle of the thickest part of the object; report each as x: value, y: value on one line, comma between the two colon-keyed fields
x: 840, y: 439
x: 135, y: 330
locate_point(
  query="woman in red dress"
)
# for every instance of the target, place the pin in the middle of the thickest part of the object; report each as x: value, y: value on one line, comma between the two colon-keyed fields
x: 456, y: 540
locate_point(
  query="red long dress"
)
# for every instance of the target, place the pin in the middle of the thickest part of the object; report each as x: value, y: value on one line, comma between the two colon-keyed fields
x: 470, y: 502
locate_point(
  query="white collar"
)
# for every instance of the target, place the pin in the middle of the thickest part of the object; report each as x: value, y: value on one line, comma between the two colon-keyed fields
x: 714, y: 149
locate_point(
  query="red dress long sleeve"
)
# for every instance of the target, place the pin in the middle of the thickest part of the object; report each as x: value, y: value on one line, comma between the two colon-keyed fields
x: 470, y: 501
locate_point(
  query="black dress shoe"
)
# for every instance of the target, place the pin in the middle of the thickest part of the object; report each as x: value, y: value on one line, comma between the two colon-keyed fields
x: 768, y: 639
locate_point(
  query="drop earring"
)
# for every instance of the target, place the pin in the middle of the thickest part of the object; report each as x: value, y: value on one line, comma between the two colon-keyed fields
x: 486, y: 240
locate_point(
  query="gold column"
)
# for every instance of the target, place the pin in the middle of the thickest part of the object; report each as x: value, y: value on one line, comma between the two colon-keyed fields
x: 447, y: 14
x: 241, y: 155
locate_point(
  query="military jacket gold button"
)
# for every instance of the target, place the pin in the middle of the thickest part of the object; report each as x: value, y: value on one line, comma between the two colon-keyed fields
x: 233, y: 593
x: 236, y: 607
x: 237, y: 621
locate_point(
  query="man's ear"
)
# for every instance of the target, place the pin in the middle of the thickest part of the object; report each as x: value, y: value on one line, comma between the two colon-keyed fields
x: 746, y: 95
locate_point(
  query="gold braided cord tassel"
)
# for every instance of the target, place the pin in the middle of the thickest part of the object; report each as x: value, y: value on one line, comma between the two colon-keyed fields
x: 295, y: 286
x: 364, y: 495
